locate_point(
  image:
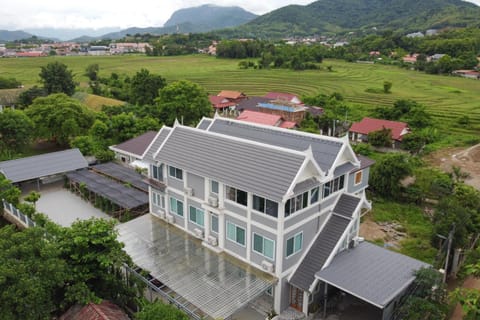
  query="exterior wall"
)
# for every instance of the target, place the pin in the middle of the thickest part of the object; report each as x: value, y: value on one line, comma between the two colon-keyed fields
x: 284, y: 291
x: 352, y: 188
x: 197, y: 183
x: 180, y: 221
x: 233, y: 207
x: 301, y: 215
x: 309, y: 231
x: 234, y: 247
x: 263, y: 219
x: 174, y: 183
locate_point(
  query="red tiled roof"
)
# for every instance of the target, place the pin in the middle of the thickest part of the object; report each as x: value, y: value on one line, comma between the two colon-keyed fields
x: 103, y: 311
x: 220, y: 102
x: 30, y: 54
x: 137, y: 145
x: 259, y: 117
x: 231, y: 94
x: 281, y: 96
x: 368, y: 125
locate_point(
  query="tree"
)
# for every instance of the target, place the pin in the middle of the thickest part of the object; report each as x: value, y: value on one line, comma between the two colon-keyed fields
x: 380, y: 138
x: 56, y: 78
x: 95, y: 258
x: 160, y: 311
x: 16, y: 129
x: 387, y: 174
x: 428, y: 300
x: 33, y: 197
x: 59, y: 117
x: 9, y: 83
x: 144, y: 87
x: 185, y: 101
x: 387, y: 86
x: 8, y: 192
x: 31, y: 274
x: 26, y: 97
x: 92, y: 71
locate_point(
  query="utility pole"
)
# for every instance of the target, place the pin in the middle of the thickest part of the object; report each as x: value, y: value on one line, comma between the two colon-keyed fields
x: 450, y: 238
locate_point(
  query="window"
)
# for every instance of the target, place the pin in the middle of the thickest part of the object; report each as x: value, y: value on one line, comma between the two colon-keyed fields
x: 263, y: 246
x: 294, y: 244
x: 214, y: 223
x: 265, y: 206
x: 333, y: 186
x: 196, y: 216
x: 214, y: 186
x: 176, y: 206
x: 314, y: 195
x: 157, y: 172
x: 236, y: 195
x: 158, y: 200
x: 358, y: 177
x: 296, y: 203
x: 175, y: 172
x: 235, y: 233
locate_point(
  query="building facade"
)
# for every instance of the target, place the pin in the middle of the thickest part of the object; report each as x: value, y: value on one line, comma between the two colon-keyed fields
x: 282, y: 201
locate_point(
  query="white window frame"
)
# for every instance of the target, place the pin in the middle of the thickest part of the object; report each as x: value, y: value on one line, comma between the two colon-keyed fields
x: 159, y: 170
x: 294, y: 252
x: 176, y: 173
x: 158, y: 199
x: 235, y: 240
x: 263, y: 246
x: 196, y: 213
x: 176, y: 212
x: 212, y: 215
x: 360, y: 173
x: 211, y: 186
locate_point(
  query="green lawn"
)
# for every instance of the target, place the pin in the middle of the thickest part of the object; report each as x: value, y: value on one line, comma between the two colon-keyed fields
x: 447, y: 98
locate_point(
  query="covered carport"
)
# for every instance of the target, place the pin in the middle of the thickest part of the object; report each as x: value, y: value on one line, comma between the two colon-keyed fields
x: 375, y: 275
x: 203, y: 283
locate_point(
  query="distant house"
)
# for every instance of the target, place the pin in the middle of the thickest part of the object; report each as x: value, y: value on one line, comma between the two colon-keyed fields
x: 359, y: 130
x: 436, y: 57
x: 232, y: 96
x: 266, y: 119
x: 410, y: 58
x: 221, y: 104
x: 374, y: 53
x: 132, y: 151
x: 102, y: 311
x: 288, y: 97
x: 415, y: 35
x: 471, y: 74
x: 31, y: 54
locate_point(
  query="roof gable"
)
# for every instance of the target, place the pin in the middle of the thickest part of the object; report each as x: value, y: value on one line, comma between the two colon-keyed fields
x: 231, y: 94
x: 248, y: 165
x: 368, y: 125
x: 102, y: 311
x: 155, y: 144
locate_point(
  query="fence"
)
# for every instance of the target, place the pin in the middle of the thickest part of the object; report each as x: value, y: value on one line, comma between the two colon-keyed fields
x: 13, y: 212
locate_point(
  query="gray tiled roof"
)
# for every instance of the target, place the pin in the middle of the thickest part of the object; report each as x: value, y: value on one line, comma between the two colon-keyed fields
x: 156, y: 143
x: 371, y: 273
x: 261, y: 169
x: 137, y: 145
x: 346, y: 205
x: 204, y: 123
x: 305, y: 185
x: 319, y: 252
x: 342, y: 169
x: 364, y: 162
x: 43, y: 165
x: 325, y: 151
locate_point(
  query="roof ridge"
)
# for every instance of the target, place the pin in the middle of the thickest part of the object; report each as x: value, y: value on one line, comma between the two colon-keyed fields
x: 42, y: 155
x: 98, y: 310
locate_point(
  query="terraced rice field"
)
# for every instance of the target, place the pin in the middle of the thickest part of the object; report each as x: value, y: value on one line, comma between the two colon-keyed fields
x: 446, y: 97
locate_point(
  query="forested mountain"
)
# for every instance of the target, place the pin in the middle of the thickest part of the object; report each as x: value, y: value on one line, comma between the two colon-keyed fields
x: 210, y: 17
x: 344, y: 15
x: 6, y: 35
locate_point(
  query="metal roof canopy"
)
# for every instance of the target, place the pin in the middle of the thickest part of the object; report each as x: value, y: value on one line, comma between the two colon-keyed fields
x: 371, y: 273
x: 216, y: 283
x: 123, y: 174
x: 43, y: 165
x: 116, y: 192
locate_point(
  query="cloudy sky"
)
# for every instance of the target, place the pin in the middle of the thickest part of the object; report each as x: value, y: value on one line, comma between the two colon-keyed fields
x: 28, y: 14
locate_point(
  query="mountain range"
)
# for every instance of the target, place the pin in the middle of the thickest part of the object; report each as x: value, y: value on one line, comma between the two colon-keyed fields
x: 319, y: 17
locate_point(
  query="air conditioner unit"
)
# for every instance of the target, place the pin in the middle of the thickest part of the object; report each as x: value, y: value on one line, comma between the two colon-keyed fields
x: 212, y: 241
x: 198, y: 233
x: 161, y: 214
x: 213, y: 201
x: 267, y: 266
x: 188, y: 192
x: 170, y: 218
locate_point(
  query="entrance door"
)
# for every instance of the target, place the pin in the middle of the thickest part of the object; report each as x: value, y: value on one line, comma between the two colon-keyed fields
x: 296, y: 298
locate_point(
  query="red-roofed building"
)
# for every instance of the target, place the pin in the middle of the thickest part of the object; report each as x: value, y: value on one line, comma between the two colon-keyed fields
x: 266, y: 119
x: 233, y: 96
x: 284, y: 97
x: 410, y: 58
x: 221, y: 103
x: 359, y: 130
x: 31, y: 54
x: 103, y: 311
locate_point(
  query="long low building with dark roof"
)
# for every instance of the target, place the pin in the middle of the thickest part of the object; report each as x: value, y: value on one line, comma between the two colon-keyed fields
x: 281, y: 202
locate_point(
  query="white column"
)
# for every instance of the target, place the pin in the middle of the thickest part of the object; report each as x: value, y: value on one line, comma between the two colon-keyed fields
x: 277, y: 296
x: 185, y: 198
x: 280, y: 235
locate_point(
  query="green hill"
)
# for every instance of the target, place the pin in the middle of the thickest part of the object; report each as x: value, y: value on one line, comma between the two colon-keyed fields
x: 333, y: 16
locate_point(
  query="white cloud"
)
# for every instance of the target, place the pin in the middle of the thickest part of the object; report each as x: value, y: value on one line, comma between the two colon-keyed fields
x: 23, y: 14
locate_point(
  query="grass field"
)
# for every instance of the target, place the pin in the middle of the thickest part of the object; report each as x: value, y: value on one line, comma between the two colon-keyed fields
x: 447, y: 98
x: 95, y: 102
